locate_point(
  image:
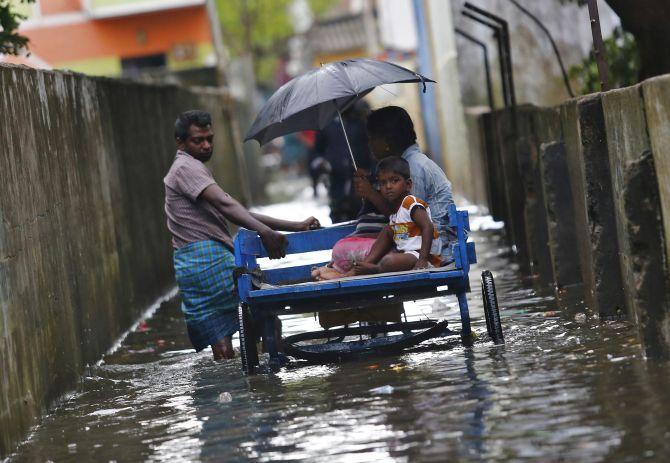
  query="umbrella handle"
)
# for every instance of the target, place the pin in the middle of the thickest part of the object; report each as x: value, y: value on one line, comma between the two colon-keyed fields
x: 423, y: 81
x: 346, y: 138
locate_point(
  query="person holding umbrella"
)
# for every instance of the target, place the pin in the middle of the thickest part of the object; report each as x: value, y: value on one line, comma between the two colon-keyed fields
x: 330, y: 144
x: 391, y: 133
x: 197, y: 211
x: 311, y: 101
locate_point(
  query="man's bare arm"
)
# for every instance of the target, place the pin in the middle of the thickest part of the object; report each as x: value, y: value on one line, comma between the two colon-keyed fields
x: 286, y: 225
x: 232, y: 210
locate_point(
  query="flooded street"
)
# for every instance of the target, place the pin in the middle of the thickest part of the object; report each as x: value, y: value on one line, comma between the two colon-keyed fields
x: 562, y: 388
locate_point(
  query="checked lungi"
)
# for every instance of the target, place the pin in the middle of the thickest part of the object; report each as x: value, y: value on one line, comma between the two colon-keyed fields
x: 204, y: 272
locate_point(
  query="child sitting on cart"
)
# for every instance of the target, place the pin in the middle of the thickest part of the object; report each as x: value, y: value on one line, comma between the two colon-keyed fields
x: 410, y: 241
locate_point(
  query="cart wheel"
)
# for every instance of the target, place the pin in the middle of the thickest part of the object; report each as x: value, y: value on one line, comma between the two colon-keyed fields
x: 248, y: 349
x: 491, y: 312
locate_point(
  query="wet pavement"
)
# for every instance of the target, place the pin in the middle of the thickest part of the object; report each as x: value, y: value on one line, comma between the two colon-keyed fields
x: 563, y: 387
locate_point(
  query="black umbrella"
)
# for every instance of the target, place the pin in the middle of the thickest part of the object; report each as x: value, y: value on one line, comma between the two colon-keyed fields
x: 310, y: 101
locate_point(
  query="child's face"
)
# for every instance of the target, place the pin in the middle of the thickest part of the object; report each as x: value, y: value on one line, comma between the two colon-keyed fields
x: 379, y: 147
x: 394, y: 187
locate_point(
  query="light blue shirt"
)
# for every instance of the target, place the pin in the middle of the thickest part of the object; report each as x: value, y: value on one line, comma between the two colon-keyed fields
x: 430, y: 183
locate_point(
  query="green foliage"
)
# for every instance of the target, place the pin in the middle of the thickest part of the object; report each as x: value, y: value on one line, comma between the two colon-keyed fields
x: 11, y: 43
x: 261, y: 28
x: 623, y: 59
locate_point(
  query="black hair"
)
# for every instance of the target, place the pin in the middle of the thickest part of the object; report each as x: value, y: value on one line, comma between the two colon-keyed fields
x: 396, y: 165
x: 393, y: 124
x: 187, y: 119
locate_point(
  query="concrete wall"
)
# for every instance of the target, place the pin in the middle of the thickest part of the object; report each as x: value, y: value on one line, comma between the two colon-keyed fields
x: 656, y: 93
x: 537, y: 74
x: 465, y: 175
x: 83, y: 244
x: 589, y: 168
x: 592, y: 176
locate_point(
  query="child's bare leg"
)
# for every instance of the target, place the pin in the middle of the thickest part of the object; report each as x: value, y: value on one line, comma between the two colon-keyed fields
x: 397, y: 262
x: 381, y: 247
x: 365, y: 268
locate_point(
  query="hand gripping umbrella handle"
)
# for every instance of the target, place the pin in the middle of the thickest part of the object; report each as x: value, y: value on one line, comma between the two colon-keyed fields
x: 346, y: 138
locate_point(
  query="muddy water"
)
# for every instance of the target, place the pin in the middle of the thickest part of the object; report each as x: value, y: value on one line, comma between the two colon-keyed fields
x: 562, y: 388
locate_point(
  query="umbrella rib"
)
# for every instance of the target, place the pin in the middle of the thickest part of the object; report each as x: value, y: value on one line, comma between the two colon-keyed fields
x: 351, y: 84
x: 386, y: 89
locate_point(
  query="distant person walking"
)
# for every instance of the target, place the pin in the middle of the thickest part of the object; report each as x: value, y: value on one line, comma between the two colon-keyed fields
x: 197, y: 210
x: 331, y: 145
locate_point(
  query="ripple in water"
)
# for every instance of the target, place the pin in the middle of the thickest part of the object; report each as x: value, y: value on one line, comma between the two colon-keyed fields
x: 562, y: 388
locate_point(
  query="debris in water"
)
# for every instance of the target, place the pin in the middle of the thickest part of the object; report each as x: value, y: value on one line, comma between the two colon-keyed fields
x: 580, y: 318
x: 143, y: 326
x: 224, y: 398
x: 146, y: 350
x: 385, y: 390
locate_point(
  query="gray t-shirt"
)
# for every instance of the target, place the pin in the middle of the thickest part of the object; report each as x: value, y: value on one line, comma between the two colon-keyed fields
x: 189, y: 217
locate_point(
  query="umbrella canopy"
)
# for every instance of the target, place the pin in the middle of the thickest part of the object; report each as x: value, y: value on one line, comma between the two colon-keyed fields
x: 312, y: 100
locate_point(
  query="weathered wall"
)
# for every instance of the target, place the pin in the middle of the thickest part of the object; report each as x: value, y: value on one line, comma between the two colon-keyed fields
x: 577, y: 181
x: 83, y: 245
x: 557, y: 195
x: 602, y: 176
x: 656, y: 93
x: 494, y: 173
x: 467, y: 180
x: 588, y: 159
x: 545, y: 127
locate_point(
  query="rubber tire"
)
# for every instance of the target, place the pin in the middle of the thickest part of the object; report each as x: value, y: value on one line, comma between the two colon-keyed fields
x: 248, y: 348
x: 491, y: 311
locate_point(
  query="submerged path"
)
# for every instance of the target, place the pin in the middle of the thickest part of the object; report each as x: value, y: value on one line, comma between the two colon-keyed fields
x: 562, y: 388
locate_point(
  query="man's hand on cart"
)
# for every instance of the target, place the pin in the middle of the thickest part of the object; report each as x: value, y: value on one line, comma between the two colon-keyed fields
x: 275, y: 243
x: 312, y: 223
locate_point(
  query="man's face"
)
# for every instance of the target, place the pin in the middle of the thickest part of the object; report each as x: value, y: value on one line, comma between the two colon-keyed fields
x: 378, y: 146
x: 198, y: 143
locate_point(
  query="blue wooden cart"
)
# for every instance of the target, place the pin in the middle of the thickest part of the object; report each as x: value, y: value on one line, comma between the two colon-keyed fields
x: 266, y: 294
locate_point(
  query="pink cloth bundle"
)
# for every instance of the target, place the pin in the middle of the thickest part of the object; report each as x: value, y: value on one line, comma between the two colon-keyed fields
x: 349, y: 250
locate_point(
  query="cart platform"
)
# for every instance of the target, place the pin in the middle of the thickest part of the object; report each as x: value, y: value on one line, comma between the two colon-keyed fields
x: 266, y: 294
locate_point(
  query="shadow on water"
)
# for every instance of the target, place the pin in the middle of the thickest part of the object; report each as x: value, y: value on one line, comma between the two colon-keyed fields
x: 562, y: 388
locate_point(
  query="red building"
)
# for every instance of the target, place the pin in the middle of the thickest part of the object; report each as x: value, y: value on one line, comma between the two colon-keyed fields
x: 117, y: 37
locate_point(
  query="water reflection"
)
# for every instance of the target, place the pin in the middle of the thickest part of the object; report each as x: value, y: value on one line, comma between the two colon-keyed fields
x: 562, y: 388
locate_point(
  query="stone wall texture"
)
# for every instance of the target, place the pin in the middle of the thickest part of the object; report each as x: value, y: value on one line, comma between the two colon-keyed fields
x: 83, y: 243
x: 593, y: 178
